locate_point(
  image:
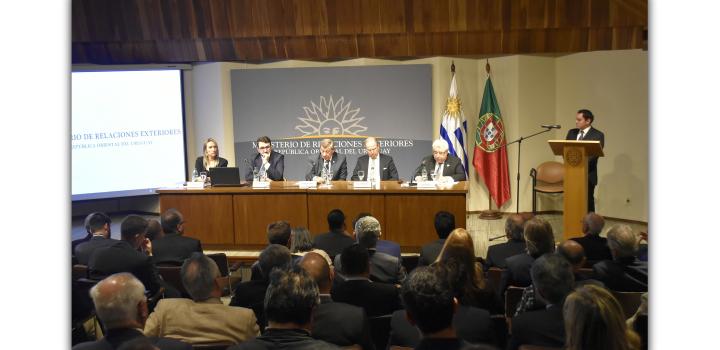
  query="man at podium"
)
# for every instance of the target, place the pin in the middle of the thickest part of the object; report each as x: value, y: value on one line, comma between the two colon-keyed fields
x: 584, y: 131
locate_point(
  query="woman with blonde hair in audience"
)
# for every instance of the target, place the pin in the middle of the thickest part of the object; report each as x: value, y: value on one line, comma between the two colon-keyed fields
x: 210, y: 158
x: 465, y: 273
x: 594, y: 320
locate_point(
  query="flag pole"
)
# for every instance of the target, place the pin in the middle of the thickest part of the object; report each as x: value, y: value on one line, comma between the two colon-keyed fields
x: 490, y: 213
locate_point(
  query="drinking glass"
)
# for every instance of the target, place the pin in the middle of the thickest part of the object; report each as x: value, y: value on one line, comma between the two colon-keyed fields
x: 434, y: 176
x: 361, y: 174
x: 255, y: 173
x: 203, y: 176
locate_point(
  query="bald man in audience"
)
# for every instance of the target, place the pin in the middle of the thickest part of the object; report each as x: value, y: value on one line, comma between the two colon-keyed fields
x: 204, y: 319
x: 595, y: 247
x: 334, y: 322
x: 99, y: 224
x: 624, y: 273
x: 121, y: 306
x: 498, y: 253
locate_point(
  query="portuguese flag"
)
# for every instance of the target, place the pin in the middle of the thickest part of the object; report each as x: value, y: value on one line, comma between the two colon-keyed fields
x: 490, y: 155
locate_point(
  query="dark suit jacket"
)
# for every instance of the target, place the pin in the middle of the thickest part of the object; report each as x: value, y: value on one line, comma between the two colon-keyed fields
x: 623, y: 275
x: 596, y: 248
x: 121, y: 257
x: 333, y: 243
x: 276, y: 169
x: 387, y: 168
x: 200, y: 168
x: 174, y: 247
x: 471, y: 324
x: 376, y: 298
x: 388, y: 247
x: 430, y: 252
x: 517, y: 272
x: 297, y: 339
x: 592, y: 135
x: 341, y: 324
x: 251, y: 295
x: 83, y: 251
x: 498, y: 253
x: 338, y: 166
x: 384, y: 268
x: 452, y: 167
x: 542, y: 327
x: 116, y: 337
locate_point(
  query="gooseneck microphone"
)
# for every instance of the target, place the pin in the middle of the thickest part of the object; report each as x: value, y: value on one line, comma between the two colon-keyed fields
x: 550, y: 126
x: 412, y: 177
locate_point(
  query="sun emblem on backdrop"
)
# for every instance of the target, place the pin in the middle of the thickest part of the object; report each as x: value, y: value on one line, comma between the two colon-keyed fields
x: 330, y: 117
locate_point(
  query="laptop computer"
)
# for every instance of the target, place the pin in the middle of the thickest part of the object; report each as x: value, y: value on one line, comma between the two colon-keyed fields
x: 225, y: 177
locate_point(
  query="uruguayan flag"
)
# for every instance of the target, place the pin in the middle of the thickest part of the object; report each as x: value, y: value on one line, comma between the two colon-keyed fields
x: 453, y: 127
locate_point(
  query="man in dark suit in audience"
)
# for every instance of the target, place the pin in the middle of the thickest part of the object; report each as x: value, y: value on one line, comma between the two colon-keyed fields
x: 337, y: 239
x: 278, y: 232
x: 251, y: 294
x: 444, y: 224
x: 624, y: 273
x: 86, y: 238
x: 595, y: 247
x: 540, y: 240
x: 383, y: 245
x: 498, y: 253
x: 174, y: 248
x: 99, y: 224
x: 384, y: 268
x: 291, y: 298
x: 130, y: 254
x: 121, y: 306
x: 357, y: 289
x: 553, y: 280
x: 376, y: 166
x: 154, y: 230
x: 430, y: 305
x: 334, y: 322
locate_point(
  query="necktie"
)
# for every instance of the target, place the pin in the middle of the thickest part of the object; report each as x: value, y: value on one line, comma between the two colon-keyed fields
x: 581, y: 135
x: 438, y: 171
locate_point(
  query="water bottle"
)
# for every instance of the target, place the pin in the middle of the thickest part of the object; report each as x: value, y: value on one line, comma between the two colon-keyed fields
x: 194, y: 175
x: 423, y: 174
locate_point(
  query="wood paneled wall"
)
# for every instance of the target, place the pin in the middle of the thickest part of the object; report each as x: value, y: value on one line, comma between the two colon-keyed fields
x: 163, y: 31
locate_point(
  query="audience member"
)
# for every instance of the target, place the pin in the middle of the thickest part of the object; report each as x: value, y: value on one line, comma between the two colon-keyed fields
x: 129, y: 255
x: 594, y: 321
x: 154, y: 230
x: 289, y: 303
x: 376, y: 298
x: 383, y: 245
x: 86, y: 238
x: 278, y: 232
x: 384, y: 268
x: 624, y: 273
x: 174, y: 247
x: 498, y: 253
x: 595, y: 247
x: 337, y: 239
x: 99, y: 224
x: 334, y: 322
x: 444, y: 224
x: 539, y: 240
x: 121, y: 306
x: 553, y: 280
x: 430, y: 306
x: 204, y: 319
x: 251, y: 294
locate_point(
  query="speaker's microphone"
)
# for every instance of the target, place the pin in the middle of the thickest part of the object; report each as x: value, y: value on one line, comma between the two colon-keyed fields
x: 412, y: 177
x: 550, y: 126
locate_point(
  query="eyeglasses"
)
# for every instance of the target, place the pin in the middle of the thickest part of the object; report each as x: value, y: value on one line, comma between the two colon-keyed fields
x: 264, y: 147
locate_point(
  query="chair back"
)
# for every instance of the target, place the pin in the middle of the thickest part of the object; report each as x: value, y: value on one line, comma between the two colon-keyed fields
x: 79, y: 271
x: 410, y: 262
x: 380, y: 330
x: 512, y: 297
x: 222, y: 262
x: 550, y: 173
x: 494, y: 275
x: 172, y: 276
x: 630, y: 301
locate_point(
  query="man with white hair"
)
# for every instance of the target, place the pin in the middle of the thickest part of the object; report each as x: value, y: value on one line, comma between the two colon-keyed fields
x: 624, y: 273
x: 121, y: 306
x: 442, y: 163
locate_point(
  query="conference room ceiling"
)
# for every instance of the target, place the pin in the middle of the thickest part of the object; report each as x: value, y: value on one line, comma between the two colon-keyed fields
x: 258, y: 31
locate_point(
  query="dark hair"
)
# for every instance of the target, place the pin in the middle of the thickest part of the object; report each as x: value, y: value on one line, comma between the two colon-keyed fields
x: 279, y: 232
x: 154, y: 229
x: 301, y: 240
x: 428, y: 298
x: 170, y: 219
x: 264, y: 139
x: 539, y: 237
x: 552, y: 277
x: 96, y: 221
x: 198, y: 273
x: 355, y: 260
x: 514, y: 226
x: 464, y: 279
x: 336, y: 220
x: 587, y: 115
x: 133, y: 225
x: 444, y: 223
x: 274, y: 256
x: 291, y: 296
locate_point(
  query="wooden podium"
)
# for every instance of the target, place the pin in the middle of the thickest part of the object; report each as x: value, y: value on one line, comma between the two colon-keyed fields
x: 575, y: 183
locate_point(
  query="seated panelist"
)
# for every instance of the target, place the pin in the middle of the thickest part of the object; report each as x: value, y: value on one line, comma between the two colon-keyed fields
x: 267, y: 160
x: 210, y: 158
x: 327, y: 159
x: 442, y: 163
x: 375, y: 165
